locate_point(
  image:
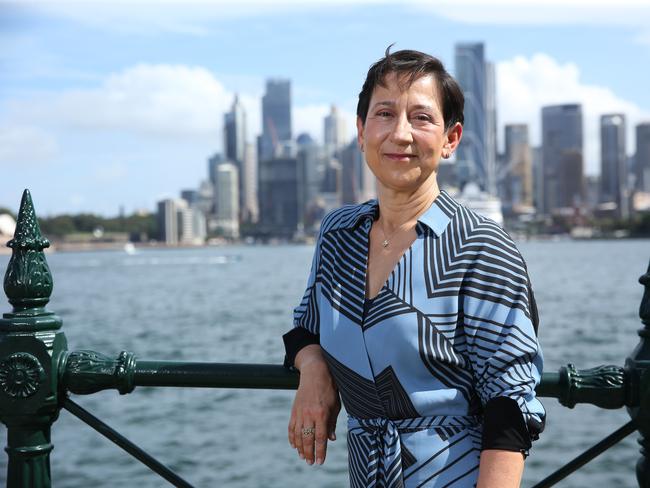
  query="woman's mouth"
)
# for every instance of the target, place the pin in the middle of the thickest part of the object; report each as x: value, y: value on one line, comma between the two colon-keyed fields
x: 402, y: 157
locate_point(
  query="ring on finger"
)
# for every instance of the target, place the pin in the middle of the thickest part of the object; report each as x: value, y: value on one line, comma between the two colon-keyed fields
x: 308, y: 431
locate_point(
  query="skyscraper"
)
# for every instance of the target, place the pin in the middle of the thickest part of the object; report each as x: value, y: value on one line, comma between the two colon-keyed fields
x: 471, y: 155
x: 334, y: 131
x: 276, y: 117
x: 234, y: 143
x: 227, y: 190
x: 234, y: 132
x: 562, y: 157
x: 642, y: 157
x: 250, y: 211
x: 280, y: 198
x: 613, y: 159
x: 490, y: 129
x: 311, y: 165
x: 179, y: 223
x: 518, y: 178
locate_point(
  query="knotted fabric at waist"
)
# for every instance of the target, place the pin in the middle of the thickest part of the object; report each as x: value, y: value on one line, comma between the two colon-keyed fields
x: 378, y: 442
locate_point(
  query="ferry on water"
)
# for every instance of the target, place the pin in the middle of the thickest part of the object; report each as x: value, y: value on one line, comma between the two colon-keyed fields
x: 481, y: 202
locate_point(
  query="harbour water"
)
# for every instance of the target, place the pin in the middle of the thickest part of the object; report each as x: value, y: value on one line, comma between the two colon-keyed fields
x: 232, y: 304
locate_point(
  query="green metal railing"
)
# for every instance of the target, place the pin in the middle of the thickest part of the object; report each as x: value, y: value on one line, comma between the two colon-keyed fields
x: 37, y: 374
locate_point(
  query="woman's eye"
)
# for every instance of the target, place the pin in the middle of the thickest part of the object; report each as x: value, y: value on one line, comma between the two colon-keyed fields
x: 423, y: 118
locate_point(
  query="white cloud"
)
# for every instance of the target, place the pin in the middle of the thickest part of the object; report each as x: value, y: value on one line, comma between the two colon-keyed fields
x: 25, y: 144
x: 524, y: 85
x: 154, y: 101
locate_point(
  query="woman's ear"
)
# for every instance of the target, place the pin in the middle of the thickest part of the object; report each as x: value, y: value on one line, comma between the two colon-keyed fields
x: 454, y: 135
x: 360, y: 133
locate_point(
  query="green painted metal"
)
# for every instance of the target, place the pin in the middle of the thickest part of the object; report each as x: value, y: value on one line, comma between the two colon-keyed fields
x: 37, y: 372
x: 30, y: 343
x: 638, y: 365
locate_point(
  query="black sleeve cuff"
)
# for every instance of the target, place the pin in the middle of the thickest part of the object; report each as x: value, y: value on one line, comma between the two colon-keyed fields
x: 504, y: 426
x: 294, y: 341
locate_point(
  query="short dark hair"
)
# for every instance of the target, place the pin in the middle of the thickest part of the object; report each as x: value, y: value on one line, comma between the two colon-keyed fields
x: 413, y: 65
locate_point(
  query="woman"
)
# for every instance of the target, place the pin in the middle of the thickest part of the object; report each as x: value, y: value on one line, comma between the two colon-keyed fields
x: 417, y: 310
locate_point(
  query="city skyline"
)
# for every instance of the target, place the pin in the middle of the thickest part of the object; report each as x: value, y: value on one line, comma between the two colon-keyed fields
x: 78, y: 151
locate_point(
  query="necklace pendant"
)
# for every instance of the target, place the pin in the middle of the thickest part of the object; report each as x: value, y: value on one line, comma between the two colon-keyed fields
x: 385, y: 243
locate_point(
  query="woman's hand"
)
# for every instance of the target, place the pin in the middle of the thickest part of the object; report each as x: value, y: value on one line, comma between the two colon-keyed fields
x: 316, y: 406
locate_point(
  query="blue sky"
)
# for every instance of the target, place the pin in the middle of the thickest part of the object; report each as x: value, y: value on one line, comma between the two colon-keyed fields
x: 120, y: 103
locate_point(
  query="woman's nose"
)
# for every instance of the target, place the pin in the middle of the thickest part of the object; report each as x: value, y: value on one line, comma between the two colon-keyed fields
x: 401, y: 133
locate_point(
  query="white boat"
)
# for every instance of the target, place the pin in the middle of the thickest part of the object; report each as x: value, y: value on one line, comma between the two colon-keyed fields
x: 129, y: 248
x: 481, y: 202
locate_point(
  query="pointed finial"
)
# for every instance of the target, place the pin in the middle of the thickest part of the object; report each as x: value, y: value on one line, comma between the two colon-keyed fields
x: 28, y: 281
x: 28, y: 233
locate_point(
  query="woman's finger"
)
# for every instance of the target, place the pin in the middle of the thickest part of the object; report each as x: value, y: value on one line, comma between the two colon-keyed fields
x: 320, y: 441
x: 331, y: 429
x: 297, y: 434
x: 307, y: 436
x: 291, y: 428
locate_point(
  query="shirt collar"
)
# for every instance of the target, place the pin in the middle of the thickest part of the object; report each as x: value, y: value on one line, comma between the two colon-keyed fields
x: 439, y: 214
x: 436, y: 217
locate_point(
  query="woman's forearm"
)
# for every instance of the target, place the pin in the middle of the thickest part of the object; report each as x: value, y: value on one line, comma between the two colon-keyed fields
x: 500, y: 469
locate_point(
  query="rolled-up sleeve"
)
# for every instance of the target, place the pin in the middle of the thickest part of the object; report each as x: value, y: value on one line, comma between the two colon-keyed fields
x: 507, y: 361
x: 306, y: 325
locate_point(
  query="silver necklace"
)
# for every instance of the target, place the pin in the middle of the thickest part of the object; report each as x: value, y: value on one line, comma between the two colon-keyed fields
x: 387, y: 239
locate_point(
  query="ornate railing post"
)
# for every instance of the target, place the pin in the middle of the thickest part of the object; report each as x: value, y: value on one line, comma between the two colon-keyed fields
x: 639, y: 365
x: 30, y: 346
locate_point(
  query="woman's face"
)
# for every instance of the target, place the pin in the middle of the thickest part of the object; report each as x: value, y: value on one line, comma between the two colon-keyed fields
x: 404, y: 135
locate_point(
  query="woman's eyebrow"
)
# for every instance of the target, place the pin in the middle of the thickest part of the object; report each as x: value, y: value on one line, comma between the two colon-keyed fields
x: 384, y: 103
x: 390, y: 103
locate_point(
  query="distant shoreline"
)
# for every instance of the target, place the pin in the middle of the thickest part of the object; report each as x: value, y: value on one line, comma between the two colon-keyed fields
x: 129, y: 248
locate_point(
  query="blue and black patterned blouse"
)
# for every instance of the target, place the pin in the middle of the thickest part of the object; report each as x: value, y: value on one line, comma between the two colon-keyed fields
x: 442, y: 363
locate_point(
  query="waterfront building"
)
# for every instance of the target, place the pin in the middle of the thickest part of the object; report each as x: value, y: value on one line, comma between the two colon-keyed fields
x: 517, y: 181
x: 447, y: 175
x: 250, y: 211
x: 334, y: 132
x: 179, y: 223
x: 227, y: 210
x: 562, y: 157
x: 311, y: 167
x: 592, y: 192
x: 538, y: 178
x: 490, y: 130
x: 234, y: 143
x: 234, y: 132
x: 206, y: 199
x: 191, y: 225
x: 331, y: 184
x: 642, y: 157
x: 471, y: 155
x: 168, y: 221
x: 191, y: 197
x: 7, y: 229
x: 276, y: 117
x: 213, y: 163
x: 613, y: 162
x: 355, y: 175
x: 280, y: 198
